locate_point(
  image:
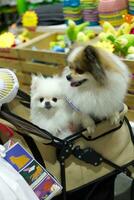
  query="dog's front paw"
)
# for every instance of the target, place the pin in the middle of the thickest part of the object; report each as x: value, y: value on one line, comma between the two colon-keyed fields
x: 89, y: 124
x: 115, y: 118
x: 91, y: 129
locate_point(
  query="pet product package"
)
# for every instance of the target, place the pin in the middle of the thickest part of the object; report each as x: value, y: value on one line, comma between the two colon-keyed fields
x: 42, y: 183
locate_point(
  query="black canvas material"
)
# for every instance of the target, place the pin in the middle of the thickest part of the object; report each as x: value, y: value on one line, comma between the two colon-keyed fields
x: 103, y: 190
x: 50, y: 14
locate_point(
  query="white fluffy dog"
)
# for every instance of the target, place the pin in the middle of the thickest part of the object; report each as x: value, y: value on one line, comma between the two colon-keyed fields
x: 49, y: 110
x: 96, y: 85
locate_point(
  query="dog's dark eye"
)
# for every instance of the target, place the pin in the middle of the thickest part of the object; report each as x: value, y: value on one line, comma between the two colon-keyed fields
x: 41, y: 99
x: 54, y: 99
x: 79, y: 71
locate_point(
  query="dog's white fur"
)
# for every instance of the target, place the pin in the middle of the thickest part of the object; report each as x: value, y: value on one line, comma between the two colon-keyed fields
x: 94, y: 100
x: 57, y: 119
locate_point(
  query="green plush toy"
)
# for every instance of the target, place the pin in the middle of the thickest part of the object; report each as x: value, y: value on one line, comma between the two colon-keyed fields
x: 130, y: 55
x: 89, y: 33
x: 108, y: 28
x: 107, y: 36
x: 73, y: 29
x: 123, y: 43
x: 57, y: 43
x: 82, y: 37
x: 125, y: 28
x: 60, y: 38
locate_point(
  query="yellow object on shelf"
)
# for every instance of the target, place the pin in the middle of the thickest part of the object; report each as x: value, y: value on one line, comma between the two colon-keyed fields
x: 30, y: 19
x: 7, y: 40
x: 24, y: 36
x: 107, y: 45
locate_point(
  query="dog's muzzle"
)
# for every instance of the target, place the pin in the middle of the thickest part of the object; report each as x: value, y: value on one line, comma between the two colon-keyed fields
x: 68, y: 77
x: 77, y: 83
x: 48, y: 105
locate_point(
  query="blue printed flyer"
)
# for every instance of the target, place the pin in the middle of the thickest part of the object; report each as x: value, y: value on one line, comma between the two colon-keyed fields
x: 43, y: 184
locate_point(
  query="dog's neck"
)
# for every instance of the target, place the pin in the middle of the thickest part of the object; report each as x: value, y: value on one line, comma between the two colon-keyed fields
x: 72, y: 105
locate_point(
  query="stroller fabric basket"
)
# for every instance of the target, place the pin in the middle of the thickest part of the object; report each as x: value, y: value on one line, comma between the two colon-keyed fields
x: 79, y: 159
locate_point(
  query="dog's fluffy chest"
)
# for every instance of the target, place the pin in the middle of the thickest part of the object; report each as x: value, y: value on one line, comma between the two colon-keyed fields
x: 54, y: 123
x: 97, y: 104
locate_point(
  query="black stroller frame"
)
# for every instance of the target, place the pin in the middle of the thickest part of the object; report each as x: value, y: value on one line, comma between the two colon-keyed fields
x: 65, y: 147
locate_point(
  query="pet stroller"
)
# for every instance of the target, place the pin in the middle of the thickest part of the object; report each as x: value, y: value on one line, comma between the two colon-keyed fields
x: 80, y: 162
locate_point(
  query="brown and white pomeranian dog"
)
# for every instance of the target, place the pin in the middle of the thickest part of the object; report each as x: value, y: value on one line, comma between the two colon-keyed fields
x: 49, y: 110
x: 96, y: 84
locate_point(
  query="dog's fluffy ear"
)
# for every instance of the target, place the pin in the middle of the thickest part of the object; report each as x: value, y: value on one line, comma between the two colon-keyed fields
x: 35, y: 81
x: 96, y: 68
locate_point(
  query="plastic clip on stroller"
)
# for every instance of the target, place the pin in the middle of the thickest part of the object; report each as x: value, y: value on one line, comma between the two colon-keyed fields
x: 88, y: 155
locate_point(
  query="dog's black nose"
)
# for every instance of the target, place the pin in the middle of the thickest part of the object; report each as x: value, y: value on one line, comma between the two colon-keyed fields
x: 68, y: 77
x: 47, y: 105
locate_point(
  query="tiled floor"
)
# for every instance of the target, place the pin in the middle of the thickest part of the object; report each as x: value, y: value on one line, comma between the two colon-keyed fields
x: 122, y: 187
